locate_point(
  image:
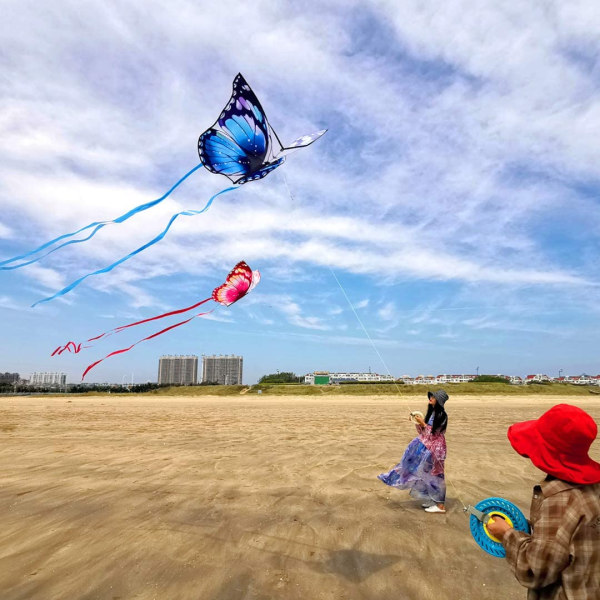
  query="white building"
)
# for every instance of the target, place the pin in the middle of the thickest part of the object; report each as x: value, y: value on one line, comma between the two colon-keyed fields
x: 362, y: 377
x: 178, y: 370
x: 454, y: 378
x: 424, y: 380
x: 582, y: 379
x: 46, y: 378
x: 222, y: 370
x: 309, y: 378
x: 538, y: 377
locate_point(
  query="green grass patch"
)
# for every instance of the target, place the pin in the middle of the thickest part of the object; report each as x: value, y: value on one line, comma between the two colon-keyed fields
x: 462, y: 389
x: 367, y: 389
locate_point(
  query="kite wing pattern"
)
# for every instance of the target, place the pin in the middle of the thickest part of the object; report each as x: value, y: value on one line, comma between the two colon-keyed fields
x: 239, y: 282
x: 240, y: 145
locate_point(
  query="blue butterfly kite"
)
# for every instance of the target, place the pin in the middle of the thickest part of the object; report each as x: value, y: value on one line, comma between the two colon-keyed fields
x: 240, y: 145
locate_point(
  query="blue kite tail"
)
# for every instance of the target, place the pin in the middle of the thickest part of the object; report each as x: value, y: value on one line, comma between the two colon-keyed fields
x: 97, y: 225
x: 159, y: 237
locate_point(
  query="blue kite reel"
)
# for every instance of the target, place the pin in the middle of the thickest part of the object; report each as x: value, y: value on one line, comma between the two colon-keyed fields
x: 489, y: 508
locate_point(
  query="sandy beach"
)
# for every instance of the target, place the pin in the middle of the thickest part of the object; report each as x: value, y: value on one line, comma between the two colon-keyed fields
x: 249, y: 498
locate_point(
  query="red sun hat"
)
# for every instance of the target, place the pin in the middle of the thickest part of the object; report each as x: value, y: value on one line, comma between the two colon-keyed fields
x: 558, y: 443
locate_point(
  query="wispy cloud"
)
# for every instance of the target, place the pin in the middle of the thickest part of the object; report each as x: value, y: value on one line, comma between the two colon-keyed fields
x: 9, y: 303
x: 6, y: 232
x: 294, y: 314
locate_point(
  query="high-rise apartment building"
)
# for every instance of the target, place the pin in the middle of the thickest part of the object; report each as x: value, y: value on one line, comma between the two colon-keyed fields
x: 49, y: 379
x: 9, y: 377
x: 178, y: 370
x: 223, y: 370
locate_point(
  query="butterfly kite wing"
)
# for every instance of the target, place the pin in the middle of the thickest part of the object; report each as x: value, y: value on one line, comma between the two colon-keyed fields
x: 241, y: 144
x: 241, y: 280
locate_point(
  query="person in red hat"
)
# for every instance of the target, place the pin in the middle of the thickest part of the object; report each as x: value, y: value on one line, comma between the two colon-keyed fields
x: 560, y: 559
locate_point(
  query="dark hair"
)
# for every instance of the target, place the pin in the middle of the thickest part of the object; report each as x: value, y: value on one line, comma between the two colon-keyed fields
x: 440, y: 419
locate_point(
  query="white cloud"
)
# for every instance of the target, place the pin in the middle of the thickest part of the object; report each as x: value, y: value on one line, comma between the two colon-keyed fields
x: 293, y: 313
x: 48, y: 278
x: 9, y: 303
x: 388, y: 312
x: 6, y: 232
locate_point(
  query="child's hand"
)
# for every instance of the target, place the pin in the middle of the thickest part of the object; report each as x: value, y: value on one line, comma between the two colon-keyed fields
x: 497, y: 526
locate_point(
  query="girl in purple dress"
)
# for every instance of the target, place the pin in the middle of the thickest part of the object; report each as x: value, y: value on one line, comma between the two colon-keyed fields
x: 421, y: 469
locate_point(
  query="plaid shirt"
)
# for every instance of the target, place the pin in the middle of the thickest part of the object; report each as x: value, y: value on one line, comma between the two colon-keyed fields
x: 560, y: 560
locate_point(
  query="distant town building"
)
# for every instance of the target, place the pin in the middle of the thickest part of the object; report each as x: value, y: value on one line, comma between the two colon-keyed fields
x: 9, y: 377
x: 178, y: 370
x: 48, y: 379
x: 222, y: 370
x: 317, y: 378
x: 538, y: 377
x: 454, y: 378
x: 325, y: 377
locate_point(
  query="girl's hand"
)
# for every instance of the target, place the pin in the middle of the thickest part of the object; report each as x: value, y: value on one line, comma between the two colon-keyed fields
x: 418, y: 419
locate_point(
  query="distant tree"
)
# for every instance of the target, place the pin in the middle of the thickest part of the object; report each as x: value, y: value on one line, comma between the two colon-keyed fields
x: 490, y: 379
x: 143, y: 387
x: 285, y: 377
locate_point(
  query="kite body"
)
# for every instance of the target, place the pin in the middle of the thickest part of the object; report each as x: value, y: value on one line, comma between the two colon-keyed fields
x: 241, y: 144
x: 240, y: 281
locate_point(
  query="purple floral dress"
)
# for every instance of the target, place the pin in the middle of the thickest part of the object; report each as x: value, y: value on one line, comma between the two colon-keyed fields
x: 421, y: 469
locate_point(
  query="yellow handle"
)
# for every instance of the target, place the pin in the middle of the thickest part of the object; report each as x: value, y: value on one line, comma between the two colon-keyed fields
x: 491, y: 519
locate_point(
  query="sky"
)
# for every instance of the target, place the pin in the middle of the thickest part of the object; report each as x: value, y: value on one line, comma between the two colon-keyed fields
x: 454, y: 197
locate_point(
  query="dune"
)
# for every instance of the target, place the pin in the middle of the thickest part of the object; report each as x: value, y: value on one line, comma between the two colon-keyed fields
x: 222, y: 498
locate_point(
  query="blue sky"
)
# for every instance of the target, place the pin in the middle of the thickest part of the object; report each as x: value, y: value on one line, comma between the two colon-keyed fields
x: 455, y: 195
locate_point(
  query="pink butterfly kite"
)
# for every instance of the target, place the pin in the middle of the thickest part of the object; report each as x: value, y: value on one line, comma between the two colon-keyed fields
x: 240, y: 281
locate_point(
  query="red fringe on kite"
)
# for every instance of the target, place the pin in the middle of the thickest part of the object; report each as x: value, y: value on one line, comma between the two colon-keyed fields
x: 240, y: 281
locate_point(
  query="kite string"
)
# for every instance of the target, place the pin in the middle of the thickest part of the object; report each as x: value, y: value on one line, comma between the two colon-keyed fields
x: 386, y: 367
x: 350, y: 304
x: 372, y: 342
x: 140, y: 249
x: 364, y: 329
x: 97, y: 224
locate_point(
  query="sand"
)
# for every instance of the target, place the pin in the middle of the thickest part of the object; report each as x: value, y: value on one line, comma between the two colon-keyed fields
x: 248, y: 498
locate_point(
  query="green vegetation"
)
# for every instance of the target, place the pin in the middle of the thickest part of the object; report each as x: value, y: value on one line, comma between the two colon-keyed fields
x: 199, y: 390
x: 354, y: 382
x: 286, y: 377
x: 490, y: 379
x: 459, y: 389
x: 357, y: 389
x: 138, y: 388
